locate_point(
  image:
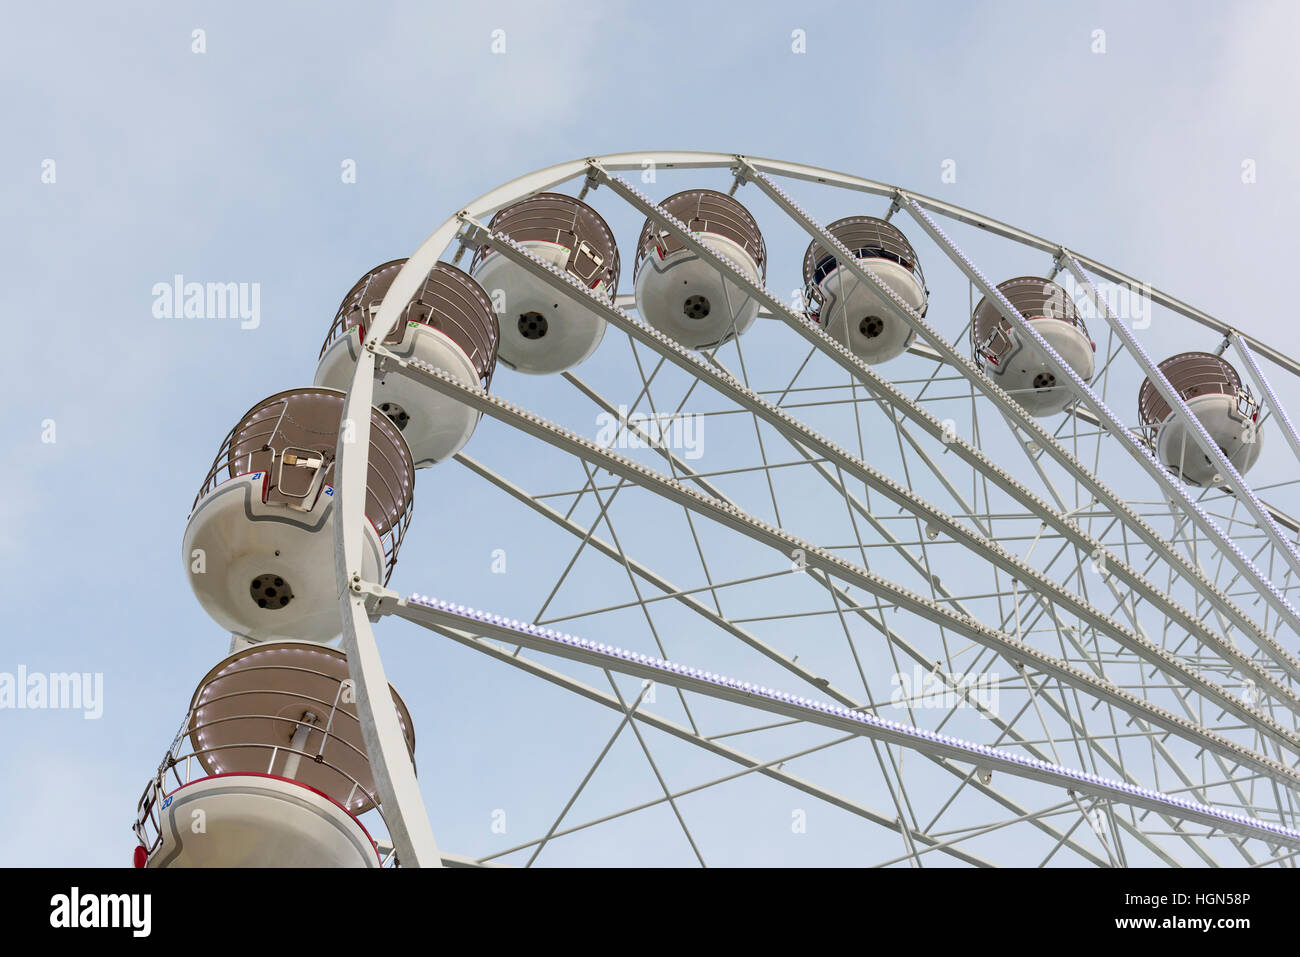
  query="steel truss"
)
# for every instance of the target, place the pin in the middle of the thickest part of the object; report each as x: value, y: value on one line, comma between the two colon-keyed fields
x: 1137, y: 617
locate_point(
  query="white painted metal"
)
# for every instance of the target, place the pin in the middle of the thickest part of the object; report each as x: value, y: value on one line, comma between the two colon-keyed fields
x: 242, y: 537
x: 1024, y: 369
x: 823, y: 560
x: 1256, y: 374
x: 853, y: 313
x: 1012, y: 409
x: 684, y: 296
x: 1239, y: 439
x: 984, y: 548
x: 561, y: 335
x: 868, y: 377
x: 1196, y: 430
x: 760, y: 697
x: 358, y: 595
x: 996, y: 228
x: 259, y: 821
x: 434, y: 430
x: 399, y: 792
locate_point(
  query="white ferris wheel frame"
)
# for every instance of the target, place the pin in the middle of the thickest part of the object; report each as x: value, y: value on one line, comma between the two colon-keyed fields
x: 360, y: 601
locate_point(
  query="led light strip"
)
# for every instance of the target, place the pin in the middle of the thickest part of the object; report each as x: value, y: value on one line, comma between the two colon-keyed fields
x: 424, y: 609
x: 778, y: 418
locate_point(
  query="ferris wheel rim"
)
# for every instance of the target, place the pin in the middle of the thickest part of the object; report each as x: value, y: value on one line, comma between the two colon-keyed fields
x: 548, y: 177
x: 416, y: 844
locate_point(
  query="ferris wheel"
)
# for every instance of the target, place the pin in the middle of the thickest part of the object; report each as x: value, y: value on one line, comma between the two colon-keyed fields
x: 995, y: 563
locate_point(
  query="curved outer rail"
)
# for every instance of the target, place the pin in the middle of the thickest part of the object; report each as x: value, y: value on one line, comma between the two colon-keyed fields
x: 394, y: 775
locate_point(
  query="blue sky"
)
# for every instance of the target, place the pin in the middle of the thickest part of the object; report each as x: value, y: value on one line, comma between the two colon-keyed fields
x: 225, y: 166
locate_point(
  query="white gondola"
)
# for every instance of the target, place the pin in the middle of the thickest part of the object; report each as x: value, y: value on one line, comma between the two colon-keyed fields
x: 259, y: 545
x: 448, y: 324
x: 251, y: 820
x: 854, y: 313
x: 1214, y: 393
x: 269, y: 770
x: 543, y: 330
x: 687, y: 297
x: 1015, y: 361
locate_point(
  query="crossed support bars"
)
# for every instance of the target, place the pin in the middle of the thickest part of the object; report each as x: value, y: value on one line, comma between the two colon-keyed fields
x: 435, y: 613
x: 395, y: 779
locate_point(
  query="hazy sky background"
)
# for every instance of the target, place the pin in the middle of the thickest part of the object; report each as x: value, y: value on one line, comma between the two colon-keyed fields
x: 225, y: 166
